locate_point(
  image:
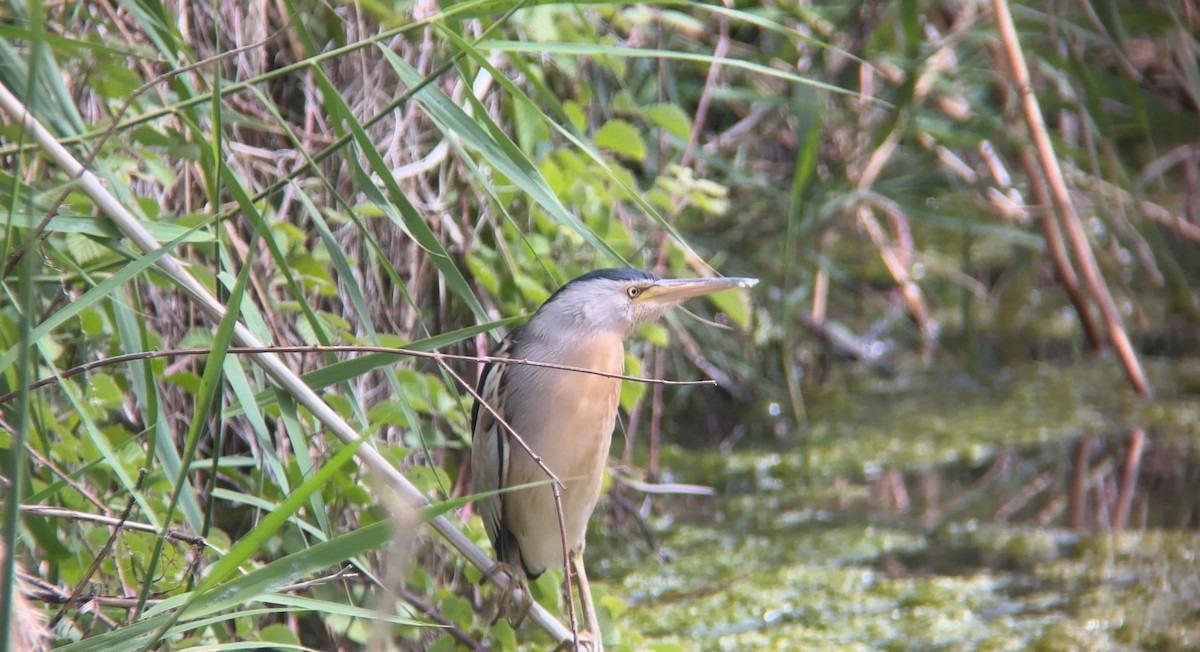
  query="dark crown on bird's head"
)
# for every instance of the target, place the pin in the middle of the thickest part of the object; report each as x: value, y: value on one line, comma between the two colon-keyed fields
x: 609, y: 274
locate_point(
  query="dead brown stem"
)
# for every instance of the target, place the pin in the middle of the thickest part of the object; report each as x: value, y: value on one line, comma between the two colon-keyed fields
x: 1064, y: 208
x: 1058, y: 251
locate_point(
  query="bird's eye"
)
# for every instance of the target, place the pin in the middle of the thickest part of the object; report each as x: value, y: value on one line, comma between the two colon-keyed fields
x: 633, y: 292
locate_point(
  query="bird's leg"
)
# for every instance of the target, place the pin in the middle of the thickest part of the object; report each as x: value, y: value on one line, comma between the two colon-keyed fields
x: 515, y: 596
x: 585, y: 598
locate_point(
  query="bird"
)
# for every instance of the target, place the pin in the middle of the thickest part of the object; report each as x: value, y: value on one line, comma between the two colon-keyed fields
x: 565, y: 418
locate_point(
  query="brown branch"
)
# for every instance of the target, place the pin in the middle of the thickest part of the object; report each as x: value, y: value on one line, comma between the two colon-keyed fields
x: 442, y: 621
x: 1064, y: 208
x: 710, y: 82
x: 254, y: 350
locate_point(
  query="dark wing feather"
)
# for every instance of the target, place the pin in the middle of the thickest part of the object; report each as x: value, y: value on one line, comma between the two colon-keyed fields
x: 490, y: 469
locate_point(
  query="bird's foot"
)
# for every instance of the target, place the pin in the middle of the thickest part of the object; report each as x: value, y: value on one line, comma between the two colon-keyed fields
x: 515, y: 600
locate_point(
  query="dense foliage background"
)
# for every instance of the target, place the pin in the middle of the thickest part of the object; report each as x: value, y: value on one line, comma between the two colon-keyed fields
x: 409, y: 174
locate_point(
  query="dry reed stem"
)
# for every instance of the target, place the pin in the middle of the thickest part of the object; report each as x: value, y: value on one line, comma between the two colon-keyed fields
x: 1058, y: 251
x: 1061, y: 199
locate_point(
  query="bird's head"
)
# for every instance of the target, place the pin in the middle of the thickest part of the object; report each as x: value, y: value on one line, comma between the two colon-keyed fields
x: 618, y: 300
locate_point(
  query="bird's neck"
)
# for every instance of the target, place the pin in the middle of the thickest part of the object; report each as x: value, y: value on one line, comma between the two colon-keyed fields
x: 599, y: 350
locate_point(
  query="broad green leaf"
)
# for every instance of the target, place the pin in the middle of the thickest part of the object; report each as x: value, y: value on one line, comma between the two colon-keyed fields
x: 671, y: 118
x: 623, y: 138
x: 632, y: 391
x: 736, y: 305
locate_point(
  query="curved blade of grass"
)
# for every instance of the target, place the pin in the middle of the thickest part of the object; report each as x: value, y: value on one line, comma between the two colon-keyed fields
x: 301, y: 444
x: 243, y: 391
x: 406, y: 218
x: 396, y: 206
x: 569, y: 132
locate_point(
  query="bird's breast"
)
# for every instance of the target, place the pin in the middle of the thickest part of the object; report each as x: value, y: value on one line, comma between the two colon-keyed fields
x: 585, y: 404
x: 567, y: 419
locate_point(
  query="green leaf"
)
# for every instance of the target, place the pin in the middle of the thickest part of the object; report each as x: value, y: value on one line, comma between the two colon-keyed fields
x: 278, y: 634
x: 671, y: 118
x: 84, y: 249
x: 736, y: 305
x: 458, y: 610
x: 623, y: 138
x: 576, y: 115
x: 632, y: 391
x: 503, y: 636
x: 103, y: 391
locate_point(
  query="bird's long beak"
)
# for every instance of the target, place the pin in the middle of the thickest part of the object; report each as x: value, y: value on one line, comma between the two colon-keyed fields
x: 674, y: 290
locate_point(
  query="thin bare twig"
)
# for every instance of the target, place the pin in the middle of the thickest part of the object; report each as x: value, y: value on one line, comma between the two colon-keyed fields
x: 436, y: 616
x: 255, y: 350
x: 119, y: 523
x: 1027, y: 493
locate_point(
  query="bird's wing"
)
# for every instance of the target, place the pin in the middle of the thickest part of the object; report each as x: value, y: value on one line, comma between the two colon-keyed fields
x: 489, y: 447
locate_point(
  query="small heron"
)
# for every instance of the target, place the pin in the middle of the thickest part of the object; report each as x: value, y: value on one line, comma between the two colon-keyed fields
x: 565, y: 417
